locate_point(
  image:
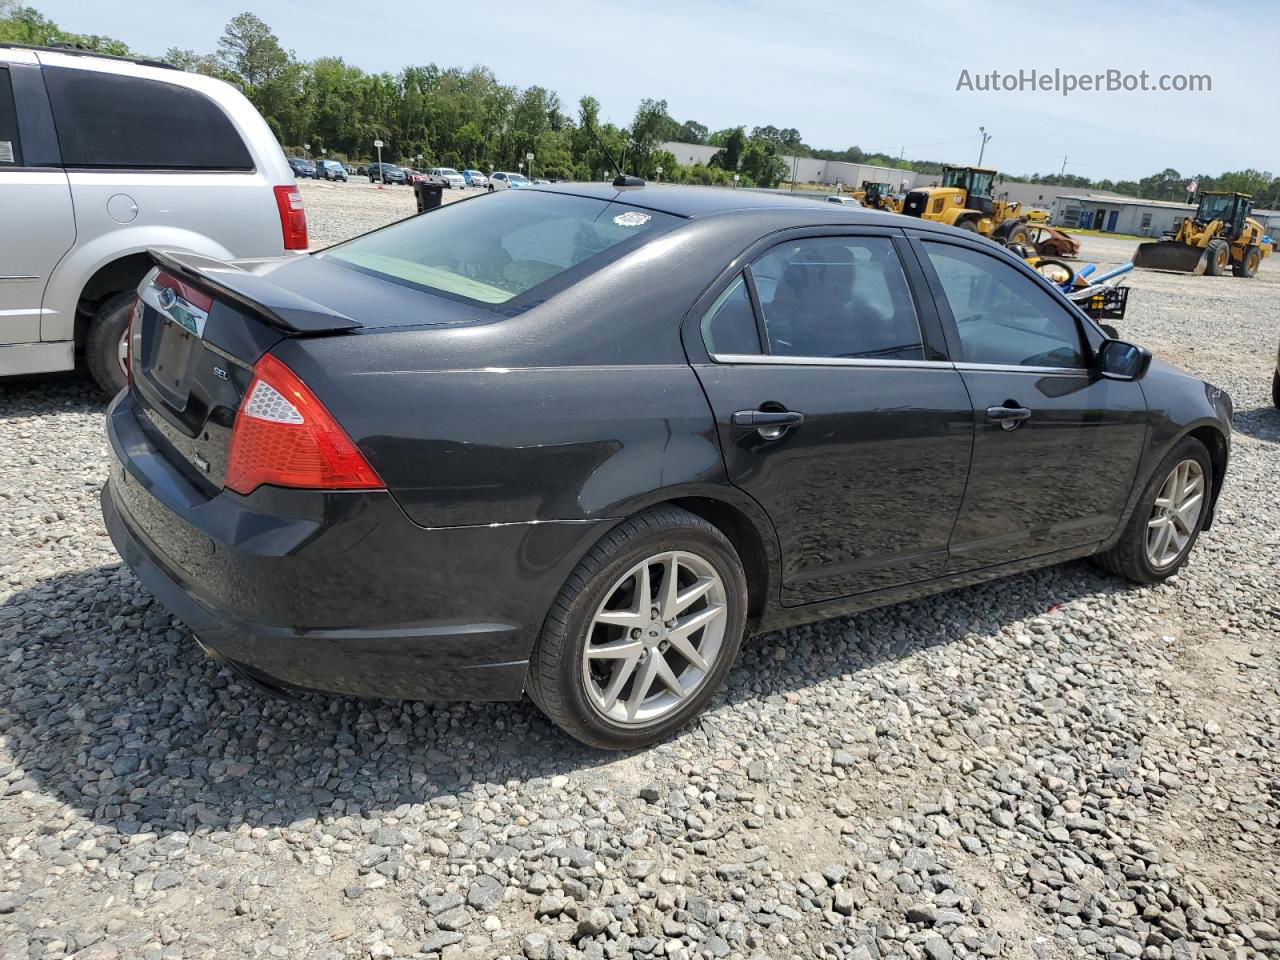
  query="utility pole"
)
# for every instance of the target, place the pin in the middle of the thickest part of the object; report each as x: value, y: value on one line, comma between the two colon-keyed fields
x: 1063, y: 172
x: 983, y: 149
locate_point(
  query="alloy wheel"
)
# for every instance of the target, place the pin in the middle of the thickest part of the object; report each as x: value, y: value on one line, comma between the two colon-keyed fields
x: 1175, y: 513
x: 655, y: 638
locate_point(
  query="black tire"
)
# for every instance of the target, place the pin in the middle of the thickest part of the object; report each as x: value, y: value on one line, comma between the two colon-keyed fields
x: 1110, y: 331
x: 1218, y: 253
x: 969, y: 225
x: 102, y: 342
x: 1019, y: 234
x: 555, y: 682
x: 1248, y: 264
x: 491, y: 188
x: 1128, y: 557
x: 1275, y: 388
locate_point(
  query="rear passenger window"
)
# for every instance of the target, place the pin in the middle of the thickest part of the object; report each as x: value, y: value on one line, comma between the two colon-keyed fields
x: 10, y: 148
x: 838, y: 297
x: 729, y: 326
x: 106, y: 120
x: 1001, y: 315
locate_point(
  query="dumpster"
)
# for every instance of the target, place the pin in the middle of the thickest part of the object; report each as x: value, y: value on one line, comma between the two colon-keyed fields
x: 429, y: 194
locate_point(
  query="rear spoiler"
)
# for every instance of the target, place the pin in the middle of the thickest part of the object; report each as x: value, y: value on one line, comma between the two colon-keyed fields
x: 255, y: 292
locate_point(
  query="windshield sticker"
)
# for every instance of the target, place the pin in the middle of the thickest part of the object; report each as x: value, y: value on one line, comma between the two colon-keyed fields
x: 6, y: 151
x: 631, y: 219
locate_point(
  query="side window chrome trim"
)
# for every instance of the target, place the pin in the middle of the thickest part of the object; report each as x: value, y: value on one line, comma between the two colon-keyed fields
x: 978, y: 367
x: 783, y: 360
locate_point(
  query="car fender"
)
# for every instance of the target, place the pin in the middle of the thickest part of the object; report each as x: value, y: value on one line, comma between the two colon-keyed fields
x: 74, y: 271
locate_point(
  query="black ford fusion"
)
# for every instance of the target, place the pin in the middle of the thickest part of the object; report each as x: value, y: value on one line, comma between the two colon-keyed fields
x: 578, y: 440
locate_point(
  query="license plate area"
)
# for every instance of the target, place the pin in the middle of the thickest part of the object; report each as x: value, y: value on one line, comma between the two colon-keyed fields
x: 171, y: 362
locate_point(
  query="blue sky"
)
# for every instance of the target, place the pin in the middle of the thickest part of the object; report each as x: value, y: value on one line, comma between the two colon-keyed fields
x: 880, y: 75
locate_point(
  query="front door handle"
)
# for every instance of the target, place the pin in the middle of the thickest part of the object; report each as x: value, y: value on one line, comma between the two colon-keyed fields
x: 770, y: 424
x: 1008, y: 417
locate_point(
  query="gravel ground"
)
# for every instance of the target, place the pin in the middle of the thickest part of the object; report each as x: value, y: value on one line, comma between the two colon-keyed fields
x: 1054, y: 765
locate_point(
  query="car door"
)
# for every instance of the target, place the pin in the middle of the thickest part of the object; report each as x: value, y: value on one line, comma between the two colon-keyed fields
x: 836, y: 409
x: 39, y: 223
x: 1056, y: 445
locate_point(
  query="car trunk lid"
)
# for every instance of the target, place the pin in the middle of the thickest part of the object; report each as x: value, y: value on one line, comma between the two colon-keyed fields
x: 200, y: 327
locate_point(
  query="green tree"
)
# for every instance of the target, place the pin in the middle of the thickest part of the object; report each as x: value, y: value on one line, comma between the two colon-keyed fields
x: 692, y: 132
x: 731, y: 144
x: 761, y: 163
x: 251, y: 51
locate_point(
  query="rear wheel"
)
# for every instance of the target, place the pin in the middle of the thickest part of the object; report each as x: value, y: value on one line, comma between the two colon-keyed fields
x: 104, y: 345
x: 1248, y: 264
x: 969, y: 225
x: 1219, y: 258
x: 643, y: 633
x: 1168, y: 517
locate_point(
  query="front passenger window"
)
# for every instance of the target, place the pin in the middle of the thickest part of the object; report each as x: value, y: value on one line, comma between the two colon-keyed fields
x: 1002, y: 316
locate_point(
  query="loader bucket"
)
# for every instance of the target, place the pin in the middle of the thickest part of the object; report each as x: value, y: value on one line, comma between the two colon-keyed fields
x: 1171, y: 255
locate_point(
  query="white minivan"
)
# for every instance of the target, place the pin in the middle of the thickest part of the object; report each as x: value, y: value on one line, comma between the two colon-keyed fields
x: 102, y: 158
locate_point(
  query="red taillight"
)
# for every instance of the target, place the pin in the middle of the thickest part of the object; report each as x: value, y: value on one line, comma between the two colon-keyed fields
x: 284, y: 436
x: 293, y: 219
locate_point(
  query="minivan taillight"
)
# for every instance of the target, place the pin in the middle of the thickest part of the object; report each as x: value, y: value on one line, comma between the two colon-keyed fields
x: 284, y: 436
x: 293, y: 219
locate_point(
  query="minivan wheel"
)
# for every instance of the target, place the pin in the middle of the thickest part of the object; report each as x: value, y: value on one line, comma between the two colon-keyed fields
x: 103, y: 352
x: 643, y: 633
x: 1168, y: 517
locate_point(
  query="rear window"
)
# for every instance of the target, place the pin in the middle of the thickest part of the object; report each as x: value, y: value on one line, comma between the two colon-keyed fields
x: 107, y: 120
x: 494, y: 248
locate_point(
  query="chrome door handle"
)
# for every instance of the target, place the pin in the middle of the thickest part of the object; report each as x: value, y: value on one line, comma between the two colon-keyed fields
x: 1008, y: 417
x: 770, y: 424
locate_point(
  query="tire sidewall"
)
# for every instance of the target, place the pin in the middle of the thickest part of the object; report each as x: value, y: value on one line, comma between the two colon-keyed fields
x: 599, y: 730
x: 102, y: 343
x: 1188, y: 448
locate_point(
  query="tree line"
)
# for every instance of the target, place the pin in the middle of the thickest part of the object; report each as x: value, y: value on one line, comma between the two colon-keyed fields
x: 467, y: 118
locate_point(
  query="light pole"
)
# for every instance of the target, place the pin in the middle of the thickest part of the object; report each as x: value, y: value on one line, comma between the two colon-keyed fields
x: 983, y: 149
x: 382, y: 177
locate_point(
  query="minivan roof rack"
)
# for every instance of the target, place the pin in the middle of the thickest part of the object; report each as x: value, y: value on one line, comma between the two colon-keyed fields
x: 80, y: 50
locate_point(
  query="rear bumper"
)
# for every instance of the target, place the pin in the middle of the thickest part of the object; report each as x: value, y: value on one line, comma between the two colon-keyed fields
x: 339, y: 593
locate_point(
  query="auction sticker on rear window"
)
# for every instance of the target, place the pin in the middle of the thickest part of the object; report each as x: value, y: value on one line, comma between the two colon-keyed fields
x: 631, y: 219
x: 6, y: 151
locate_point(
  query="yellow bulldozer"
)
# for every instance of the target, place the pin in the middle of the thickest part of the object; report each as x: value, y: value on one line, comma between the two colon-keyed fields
x: 964, y: 199
x: 1219, y: 237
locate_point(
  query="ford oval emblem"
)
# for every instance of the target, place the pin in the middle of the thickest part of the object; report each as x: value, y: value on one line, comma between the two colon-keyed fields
x: 167, y: 297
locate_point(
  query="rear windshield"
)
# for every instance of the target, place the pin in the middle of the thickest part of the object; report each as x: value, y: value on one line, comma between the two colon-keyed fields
x: 494, y: 248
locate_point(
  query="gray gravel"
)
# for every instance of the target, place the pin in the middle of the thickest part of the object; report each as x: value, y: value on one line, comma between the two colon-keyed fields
x: 1055, y: 765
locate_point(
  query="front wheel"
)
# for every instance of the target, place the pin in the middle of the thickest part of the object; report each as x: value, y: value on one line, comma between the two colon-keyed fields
x: 1168, y: 517
x: 104, y: 345
x: 968, y: 225
x: 643, y: 633
x: 1218, y: 255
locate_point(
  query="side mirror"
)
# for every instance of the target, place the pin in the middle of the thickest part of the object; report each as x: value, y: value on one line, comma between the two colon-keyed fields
x: 1118, y: 360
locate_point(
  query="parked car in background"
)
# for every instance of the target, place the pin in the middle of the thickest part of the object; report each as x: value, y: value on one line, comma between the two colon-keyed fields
x: 844, y: 201
x: 302, y: 167
x: 386, y: 173
x: 475, y: 178
x: 450, y: 176
x: 144, y: 155
x: 361, y: 170
x: 505, y: 180
x: 805, y: 413
x: 351, y: 170
x: 331, y: 170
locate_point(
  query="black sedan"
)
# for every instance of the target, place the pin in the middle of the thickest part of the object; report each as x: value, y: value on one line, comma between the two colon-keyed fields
x: 302, y: 168
x: 577, y: 441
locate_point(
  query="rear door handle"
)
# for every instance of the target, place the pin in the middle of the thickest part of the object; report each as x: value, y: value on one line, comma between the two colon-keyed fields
x: 770, y: 424
x: 1008, y: 417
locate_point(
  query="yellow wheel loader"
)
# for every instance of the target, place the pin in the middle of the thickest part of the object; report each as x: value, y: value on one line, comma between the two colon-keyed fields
x: 1220, y: 237
x: 964, y: 199
x: 880, y: 196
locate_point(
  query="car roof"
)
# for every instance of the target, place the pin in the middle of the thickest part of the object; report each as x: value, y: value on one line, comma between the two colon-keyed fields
x: 690, y: 201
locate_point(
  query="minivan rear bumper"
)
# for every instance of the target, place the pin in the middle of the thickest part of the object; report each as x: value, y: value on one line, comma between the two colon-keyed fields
x: 335, y: 592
